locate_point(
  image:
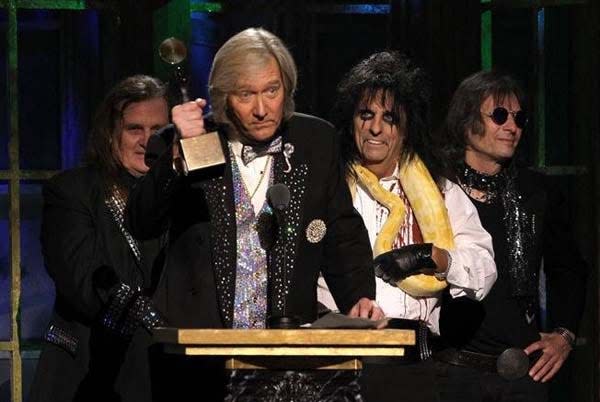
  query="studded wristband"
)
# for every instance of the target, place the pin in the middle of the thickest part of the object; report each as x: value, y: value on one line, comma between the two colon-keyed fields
x: 63, y: 338
x: 143, y: 313
x: 117, y: 305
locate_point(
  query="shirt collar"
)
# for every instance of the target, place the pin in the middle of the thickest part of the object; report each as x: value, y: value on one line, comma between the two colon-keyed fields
x: 236, y: 147
x: 395, y: 176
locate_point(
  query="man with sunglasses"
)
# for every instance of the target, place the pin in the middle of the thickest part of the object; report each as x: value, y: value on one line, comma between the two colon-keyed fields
x: 507, y: 355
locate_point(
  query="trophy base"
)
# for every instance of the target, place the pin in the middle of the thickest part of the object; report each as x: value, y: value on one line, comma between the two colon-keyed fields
x: 201, y: 152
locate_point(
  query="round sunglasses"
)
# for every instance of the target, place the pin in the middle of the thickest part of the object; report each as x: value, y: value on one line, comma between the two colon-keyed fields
x: 500, y: 116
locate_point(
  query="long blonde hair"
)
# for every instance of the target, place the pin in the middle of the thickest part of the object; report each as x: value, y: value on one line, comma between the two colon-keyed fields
x: 252, y: 47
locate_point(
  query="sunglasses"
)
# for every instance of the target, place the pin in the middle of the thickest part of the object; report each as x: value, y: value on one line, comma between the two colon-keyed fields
x: 500, y: 116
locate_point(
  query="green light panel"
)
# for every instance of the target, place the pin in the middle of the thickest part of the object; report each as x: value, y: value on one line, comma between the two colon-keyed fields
x: 486, y: 37
x: 201, y: 7
x: 53, y: 4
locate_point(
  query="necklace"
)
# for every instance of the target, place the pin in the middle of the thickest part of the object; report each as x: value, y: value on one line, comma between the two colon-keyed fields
x: 480, y: 186
x: 262, y: 176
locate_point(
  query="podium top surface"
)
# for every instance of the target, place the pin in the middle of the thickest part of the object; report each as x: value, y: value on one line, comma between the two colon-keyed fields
x: 286, y: 337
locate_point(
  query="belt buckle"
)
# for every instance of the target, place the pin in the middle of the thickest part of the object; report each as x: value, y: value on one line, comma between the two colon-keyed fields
x: 512, y: 364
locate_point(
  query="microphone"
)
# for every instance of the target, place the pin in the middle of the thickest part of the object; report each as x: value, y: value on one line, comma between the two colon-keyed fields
x: 278, y: 196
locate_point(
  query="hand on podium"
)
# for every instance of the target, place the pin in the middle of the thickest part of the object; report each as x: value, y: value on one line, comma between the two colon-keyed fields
x: 366, y: 308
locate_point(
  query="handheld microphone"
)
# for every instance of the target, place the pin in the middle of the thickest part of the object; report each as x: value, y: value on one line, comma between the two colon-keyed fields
x: 278, y: 196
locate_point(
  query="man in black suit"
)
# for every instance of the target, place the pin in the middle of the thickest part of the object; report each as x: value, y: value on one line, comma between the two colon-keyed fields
x: 232, y: 261
x: 527, y: 222
x: 95, y: 347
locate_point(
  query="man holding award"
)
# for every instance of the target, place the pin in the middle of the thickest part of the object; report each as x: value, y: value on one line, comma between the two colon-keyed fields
x: 248, y: 238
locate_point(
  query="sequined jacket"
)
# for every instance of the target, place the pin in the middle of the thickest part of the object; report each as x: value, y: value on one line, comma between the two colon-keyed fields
x: 80, y: 237
x: 198, y: 283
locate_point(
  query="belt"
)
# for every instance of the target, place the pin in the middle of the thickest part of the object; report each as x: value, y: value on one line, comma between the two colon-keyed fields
x: 511, y: 364
x: 466, y: 358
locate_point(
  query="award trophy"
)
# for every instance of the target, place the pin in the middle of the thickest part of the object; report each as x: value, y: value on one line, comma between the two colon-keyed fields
x: 203, y: 151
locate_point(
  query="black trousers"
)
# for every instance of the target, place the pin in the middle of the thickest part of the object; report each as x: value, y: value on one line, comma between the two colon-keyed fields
x: 466, y: 384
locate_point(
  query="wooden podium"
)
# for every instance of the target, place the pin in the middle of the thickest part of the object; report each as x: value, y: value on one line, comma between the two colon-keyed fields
x: 288, y: 349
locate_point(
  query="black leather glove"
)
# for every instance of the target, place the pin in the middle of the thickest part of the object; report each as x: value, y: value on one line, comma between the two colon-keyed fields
x: 402, y: 262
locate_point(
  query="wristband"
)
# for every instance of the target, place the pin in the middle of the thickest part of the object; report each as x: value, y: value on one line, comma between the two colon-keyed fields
x: 566, y: 334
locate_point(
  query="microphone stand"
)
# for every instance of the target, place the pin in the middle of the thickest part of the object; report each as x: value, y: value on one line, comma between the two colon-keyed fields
x: 283, y: 321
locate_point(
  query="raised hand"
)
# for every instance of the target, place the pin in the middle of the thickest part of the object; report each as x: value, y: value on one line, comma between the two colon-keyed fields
x: 189, y: 118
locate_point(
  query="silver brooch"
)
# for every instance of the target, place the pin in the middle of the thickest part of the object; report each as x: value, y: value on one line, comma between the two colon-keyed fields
x: 288, y: 150
x: 315, y: 231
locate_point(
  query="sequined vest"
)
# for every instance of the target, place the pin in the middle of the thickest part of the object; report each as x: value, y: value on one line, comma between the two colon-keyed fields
x: 251, y: 279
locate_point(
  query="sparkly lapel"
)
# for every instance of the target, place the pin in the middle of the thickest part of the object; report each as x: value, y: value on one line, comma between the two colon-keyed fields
x: 219, y: 198
x: 291, y: 172
x: 115, y: 203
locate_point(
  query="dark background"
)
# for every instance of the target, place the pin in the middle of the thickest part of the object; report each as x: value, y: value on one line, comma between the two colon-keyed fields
x: 68, y: 58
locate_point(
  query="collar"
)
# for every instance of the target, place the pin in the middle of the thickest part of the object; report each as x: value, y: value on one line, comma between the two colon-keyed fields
x: 395, y: 176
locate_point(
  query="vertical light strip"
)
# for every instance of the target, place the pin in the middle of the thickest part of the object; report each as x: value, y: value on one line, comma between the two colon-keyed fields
x: 14, y: 214
x: 486, y: 37
x: 540, y: 102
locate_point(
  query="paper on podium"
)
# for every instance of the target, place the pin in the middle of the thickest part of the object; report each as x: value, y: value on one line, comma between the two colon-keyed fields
x: 340, y: 321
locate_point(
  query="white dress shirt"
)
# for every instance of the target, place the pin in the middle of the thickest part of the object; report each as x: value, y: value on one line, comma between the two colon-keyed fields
x: 255, y: 173
x: 472, y: 272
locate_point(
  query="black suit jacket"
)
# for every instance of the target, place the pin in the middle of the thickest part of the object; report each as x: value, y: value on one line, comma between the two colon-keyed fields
x: 80, y: 237
x: 198, y: 284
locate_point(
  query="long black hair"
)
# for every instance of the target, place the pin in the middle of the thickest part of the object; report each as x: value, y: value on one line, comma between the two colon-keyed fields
x: 390, y: 75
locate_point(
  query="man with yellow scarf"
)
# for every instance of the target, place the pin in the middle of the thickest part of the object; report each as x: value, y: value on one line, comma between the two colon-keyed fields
x: 426, y: 234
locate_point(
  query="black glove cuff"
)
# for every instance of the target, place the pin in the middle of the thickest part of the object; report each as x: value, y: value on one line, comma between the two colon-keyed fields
x: 423, y: 253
